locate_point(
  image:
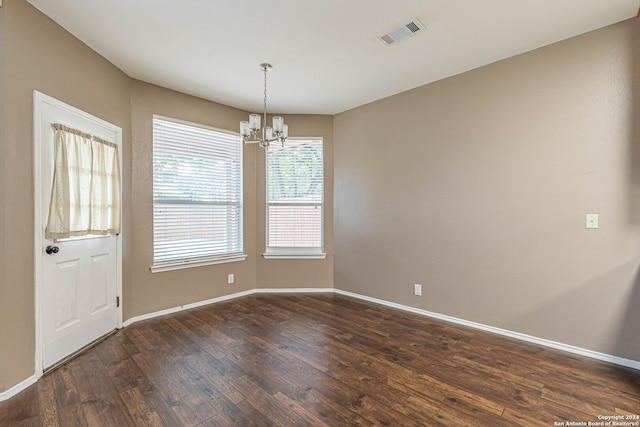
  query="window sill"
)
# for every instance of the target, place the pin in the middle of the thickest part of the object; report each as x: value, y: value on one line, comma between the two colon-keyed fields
x: 294, y: 253
x: 179, y: 265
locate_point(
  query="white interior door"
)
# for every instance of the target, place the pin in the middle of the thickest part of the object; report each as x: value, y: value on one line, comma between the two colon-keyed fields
x: 79, y: 295
x: 78, y: 279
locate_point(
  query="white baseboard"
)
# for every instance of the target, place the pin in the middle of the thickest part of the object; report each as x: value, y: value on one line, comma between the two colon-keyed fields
x: 135, y: 319
x: 224, y: 298
x: 18, y: 388
x: 295, y: 291
x: 517, y: 335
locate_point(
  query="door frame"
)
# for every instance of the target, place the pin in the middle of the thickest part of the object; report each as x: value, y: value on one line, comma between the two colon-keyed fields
x: 39, y: 99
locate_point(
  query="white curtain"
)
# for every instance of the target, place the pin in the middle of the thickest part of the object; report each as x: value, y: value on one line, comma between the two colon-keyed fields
x: 85, y: 196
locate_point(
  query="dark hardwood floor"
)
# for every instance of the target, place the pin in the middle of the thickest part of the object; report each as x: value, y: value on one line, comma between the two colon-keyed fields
x: 319, y: 360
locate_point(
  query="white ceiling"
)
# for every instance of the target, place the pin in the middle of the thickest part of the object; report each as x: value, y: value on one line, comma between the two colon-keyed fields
x: 326, y: 54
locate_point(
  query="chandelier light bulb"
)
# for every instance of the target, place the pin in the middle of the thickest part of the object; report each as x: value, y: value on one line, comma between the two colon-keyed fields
x: 278, y: 122
x: 244, y: 128
x: 254, y: 122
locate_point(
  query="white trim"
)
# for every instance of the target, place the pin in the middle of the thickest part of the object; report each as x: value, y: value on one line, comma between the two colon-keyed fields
x: 40, y: 98
x: 295, y: 252
x: 522, y: 337
x: 294, y: 290
x: 179, y: 265
x: 202, y: 259
x: 275, y: 252
x: 517, y: 335
x: 295, y: 256
x: 224, y: 298
x: 22, y: 385
x: 187, y: 307
x: 199, y: 125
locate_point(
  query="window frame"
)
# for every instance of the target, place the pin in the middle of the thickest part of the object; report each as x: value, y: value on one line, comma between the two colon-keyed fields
x: 190, y: 262
x: 272, y: 252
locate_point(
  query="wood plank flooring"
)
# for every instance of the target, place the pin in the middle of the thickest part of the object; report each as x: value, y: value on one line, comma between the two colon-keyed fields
x: 319, y: 360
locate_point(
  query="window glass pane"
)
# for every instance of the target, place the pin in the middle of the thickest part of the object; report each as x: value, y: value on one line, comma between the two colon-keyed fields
x: 295, y: 194
x: 197, y: 192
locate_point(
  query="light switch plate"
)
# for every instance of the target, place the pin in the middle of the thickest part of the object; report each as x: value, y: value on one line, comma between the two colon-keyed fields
x: 592, y: 220
x: 417, y: 290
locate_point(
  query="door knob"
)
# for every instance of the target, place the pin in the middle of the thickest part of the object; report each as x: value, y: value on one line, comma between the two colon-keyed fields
x: 52, y: 249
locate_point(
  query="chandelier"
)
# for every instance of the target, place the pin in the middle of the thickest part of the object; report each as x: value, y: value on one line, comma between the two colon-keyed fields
x: 253, y: 133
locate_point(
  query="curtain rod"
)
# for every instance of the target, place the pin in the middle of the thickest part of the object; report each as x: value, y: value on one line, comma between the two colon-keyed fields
x: 58, y: 126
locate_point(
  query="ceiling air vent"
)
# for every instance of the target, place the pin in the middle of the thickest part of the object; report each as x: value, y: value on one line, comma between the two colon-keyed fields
x: 402, y: 32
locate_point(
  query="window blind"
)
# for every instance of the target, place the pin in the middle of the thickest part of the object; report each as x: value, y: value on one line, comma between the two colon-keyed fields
x: 197, y: 193
x: 295, y: 195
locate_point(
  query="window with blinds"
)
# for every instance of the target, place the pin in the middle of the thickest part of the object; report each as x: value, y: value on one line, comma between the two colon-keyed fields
x: 197, y: 195
x: 295, y: 199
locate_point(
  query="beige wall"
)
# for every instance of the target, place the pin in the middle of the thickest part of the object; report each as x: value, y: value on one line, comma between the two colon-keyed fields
x: 149, y: 292
x: 298, y: 273
x: 209, y: 282
x: 40, y: 55
x: 477, y: 187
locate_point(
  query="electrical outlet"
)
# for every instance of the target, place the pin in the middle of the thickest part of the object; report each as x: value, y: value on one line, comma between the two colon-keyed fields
x: 592, y: 220
x: 417, y: 290
x: 230, y: 279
